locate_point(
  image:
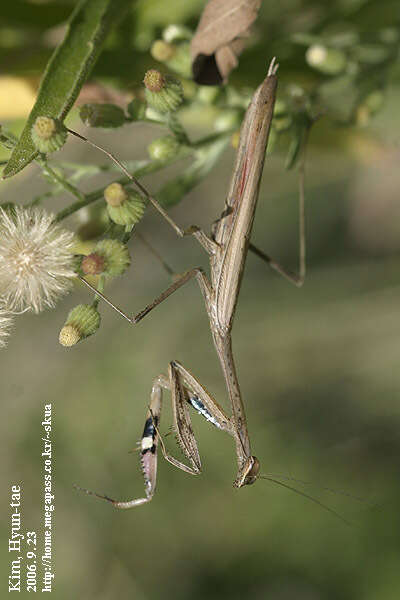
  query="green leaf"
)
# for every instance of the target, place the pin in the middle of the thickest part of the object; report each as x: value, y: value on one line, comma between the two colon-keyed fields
x: 67, y: 70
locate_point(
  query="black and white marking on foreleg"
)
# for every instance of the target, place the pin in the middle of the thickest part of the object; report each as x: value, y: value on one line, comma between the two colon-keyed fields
x: 149, y: 435
x: 202, y: 410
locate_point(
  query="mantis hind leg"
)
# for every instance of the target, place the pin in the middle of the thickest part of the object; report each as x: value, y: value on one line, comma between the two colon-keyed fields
x: 296, y: 279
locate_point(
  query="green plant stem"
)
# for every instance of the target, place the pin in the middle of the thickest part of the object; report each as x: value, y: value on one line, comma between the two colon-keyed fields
x: 210, y: 139
x: 145, y: 169
x: 100, y: 287
x: 151, y: 167
x: 59, y: 179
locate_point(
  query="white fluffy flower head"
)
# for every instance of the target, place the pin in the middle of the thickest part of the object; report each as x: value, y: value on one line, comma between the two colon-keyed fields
x: 36, y: 259
x: 6, y: 322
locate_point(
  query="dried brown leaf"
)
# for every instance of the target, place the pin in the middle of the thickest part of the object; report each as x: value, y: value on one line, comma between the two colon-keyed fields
x: 219, y: 38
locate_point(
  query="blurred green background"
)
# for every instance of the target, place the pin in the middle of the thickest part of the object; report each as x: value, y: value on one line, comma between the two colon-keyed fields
x: 318, y: 366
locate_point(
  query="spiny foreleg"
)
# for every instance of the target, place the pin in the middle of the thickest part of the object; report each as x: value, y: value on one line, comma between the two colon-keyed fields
x: 185, y: 391
x: 148, y: 450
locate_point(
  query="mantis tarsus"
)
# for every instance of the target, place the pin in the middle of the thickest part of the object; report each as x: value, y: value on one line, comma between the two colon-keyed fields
x: 227, y: 247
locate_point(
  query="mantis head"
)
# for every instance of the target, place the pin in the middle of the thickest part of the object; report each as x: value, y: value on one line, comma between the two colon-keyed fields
x: 249, y: 472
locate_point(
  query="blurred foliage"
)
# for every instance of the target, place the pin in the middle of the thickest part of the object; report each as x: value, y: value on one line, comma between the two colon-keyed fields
x: 366, y: 31
x: 335, y: 67
x: 318, y: 368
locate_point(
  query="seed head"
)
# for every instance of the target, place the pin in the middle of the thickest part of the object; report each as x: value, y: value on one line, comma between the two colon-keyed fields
x: 36, y: 259
x: 6, y: 322
x: 136, y: 109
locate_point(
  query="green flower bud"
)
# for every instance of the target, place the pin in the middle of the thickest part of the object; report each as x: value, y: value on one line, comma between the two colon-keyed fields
x: 136, y: 110
x: 177, y: 33
x: 189, y: 89
x: 282, y: 123
x: 371, y: 53
x: 163, y: 92
x: 102, y: 115
x: 48, y: 135
x: 372, y: 103
x: 163, y: 148
x: 115, y: 194
x: 162, y: 51
x: 208, y: 94
x: 181, y: 62
x: 389, y: 35
x: 230, y: 118
x: 327, y: 60
x: 114, y: 255
x: 82, y: 248
x: 123, y: 207
x: 280, y: 108
x: 82, y: 321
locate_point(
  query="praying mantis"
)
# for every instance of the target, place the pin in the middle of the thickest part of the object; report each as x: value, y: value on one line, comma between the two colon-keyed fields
x: 227, y: 248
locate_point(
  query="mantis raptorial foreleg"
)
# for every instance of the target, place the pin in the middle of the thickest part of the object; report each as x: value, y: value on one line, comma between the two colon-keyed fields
x: 148, y: 448
x: 185, y: 391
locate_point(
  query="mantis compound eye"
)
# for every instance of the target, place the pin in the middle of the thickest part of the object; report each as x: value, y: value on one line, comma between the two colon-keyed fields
x: 252, y: 474
x: 249, y: 473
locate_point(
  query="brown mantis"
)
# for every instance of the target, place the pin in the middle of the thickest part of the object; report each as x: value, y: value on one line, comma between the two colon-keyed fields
x: 227, y: 247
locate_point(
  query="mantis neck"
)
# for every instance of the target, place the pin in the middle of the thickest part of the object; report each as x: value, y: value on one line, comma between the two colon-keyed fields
x: 223, y: 345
